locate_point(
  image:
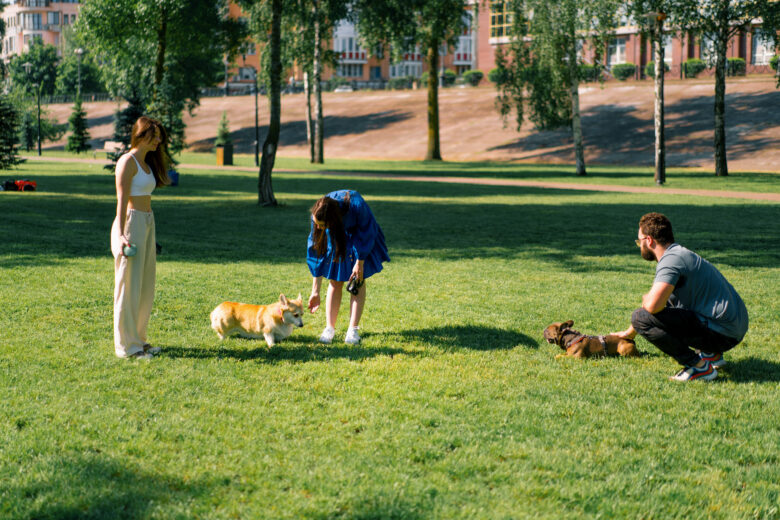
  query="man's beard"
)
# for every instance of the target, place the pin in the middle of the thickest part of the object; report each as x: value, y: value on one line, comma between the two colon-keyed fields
x: 647, y: 254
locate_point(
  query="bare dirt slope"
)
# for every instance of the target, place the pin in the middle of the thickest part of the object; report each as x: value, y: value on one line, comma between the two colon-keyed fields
x: 617, y: 125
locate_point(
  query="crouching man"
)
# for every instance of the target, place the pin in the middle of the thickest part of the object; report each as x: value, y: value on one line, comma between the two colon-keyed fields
x: 692, y: 313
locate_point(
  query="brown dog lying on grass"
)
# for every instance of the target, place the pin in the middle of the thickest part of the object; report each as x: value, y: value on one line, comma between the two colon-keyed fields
x: 579, y: 345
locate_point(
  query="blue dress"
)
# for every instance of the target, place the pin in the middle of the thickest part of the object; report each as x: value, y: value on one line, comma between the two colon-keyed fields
x: 365, y: 241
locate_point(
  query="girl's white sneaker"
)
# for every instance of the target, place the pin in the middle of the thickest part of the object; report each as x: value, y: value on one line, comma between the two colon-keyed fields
x: 352, y: 337
x: 327, y: 335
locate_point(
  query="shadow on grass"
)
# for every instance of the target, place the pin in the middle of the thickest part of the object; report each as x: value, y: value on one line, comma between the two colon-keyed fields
x: 752, y: 370
x: 92, y: 485
x: 202, y: 220
x: 475, y: 337
x: 290, y: 350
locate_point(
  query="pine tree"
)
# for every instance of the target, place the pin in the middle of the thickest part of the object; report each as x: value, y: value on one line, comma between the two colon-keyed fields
x: 78, y: 140
x: 223, y: 132
x: 27, y: 131
x: 123, y: 125
x: 9, y: 136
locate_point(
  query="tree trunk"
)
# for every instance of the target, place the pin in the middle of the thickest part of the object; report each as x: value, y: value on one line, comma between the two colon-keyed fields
x: 721, y: 166
x: 317, y: 65
x: 660, y: 141
x: 159, y: 64
x: 265, y: 190
x: 434, y: 150
x: 576, y: 121
x: 307, y: 93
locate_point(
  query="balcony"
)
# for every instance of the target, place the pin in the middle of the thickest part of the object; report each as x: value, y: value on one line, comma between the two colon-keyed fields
x: 24, y: 6
x: 54, y: 27
x: 352, y: 57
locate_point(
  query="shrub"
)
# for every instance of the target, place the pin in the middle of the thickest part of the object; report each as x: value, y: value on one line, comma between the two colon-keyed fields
x: 650, y: 69
x: 589, y: 72
x: 735, y: 67
x: 773, y: 62
x: 623, y: 71
x: 693, y: 66
x: 448, y: 81
x: 223, y: 132
x: 334, y: 82
x: 400, y: 83
x: 9, y: 120
x: 497, y: 76
x: 473, y: 77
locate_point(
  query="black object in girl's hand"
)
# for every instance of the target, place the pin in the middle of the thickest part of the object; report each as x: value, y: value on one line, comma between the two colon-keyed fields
x: 354, y: 286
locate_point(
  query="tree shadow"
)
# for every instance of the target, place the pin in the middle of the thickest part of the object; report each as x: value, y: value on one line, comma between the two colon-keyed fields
x: 474, y: 337
x: 94, y: 485
x: 295, y: 350
x: 752, y: 370
x: 293, y: 133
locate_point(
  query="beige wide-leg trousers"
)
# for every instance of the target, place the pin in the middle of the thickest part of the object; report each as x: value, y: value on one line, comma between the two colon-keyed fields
x: 134, y: 279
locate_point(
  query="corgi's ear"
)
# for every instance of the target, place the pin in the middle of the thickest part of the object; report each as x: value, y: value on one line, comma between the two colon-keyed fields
x: 569, y: 323
x: 283, y: 299
x: 300, y: 299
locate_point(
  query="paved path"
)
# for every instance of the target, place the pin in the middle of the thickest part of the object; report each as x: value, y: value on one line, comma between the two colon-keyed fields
x: 472, y: 180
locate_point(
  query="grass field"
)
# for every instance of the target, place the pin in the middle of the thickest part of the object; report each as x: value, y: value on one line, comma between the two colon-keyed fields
x: 682, y: 178
x: 452, y: 407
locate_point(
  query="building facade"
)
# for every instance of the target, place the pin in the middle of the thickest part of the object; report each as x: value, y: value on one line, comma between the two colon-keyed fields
x: 43, y: 21
x: 629, y: 46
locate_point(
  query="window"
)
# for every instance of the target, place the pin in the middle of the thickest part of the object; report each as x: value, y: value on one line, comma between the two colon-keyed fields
x: 500, y: 19
x: 64, y: 19
x: 32, y: 21
x: 667, y: 49
x: 617, y: 51
x: 406, y: 68
x: 707, y: 49
x: 350, y: 70
x: 763, y: 50
x: 53, y: 18
x: 376, y: 73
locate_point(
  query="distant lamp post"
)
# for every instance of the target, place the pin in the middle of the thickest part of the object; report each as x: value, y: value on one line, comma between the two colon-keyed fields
x: 79, y: 52
x: 37, y: 86
x: 226, y: 63
x: 657, y: 19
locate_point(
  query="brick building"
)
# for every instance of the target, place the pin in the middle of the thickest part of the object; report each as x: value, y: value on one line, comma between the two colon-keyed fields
x: 36, y: 20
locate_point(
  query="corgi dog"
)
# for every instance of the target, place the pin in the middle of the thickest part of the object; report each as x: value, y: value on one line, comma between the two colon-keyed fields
x: 273, y: 322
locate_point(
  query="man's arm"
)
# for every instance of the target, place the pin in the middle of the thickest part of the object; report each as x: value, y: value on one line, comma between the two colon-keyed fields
x: 655, y: 300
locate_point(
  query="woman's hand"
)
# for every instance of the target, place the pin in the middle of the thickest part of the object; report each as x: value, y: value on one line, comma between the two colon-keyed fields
x: 125, y: 243
x: 357, y: 271
x: 314, y: 302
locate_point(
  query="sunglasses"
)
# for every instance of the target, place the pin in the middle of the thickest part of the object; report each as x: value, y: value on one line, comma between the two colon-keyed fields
x: 638, y: 241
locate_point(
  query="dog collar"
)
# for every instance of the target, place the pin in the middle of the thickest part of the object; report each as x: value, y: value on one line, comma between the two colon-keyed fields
x: 281, y: 313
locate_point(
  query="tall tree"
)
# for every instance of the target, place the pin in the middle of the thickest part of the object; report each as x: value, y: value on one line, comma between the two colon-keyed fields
x: 719, y: 21
x: 73, y: 68
x: 43, y: 62
x: 2, y: 39
x: 265, y: 21
x: 166, y: 50
x: 404, y: 23
x: 541, y: 68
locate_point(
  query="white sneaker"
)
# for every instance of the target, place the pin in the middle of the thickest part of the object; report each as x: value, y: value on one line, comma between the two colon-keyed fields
x: 140, y: 355
x: 327, y: 335
x: 352, y: 337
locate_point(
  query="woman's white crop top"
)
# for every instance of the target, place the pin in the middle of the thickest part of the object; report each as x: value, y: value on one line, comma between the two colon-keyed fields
x: 143, y: 181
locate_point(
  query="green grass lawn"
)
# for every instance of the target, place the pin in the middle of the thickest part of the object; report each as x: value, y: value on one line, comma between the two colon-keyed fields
x: 678, y: 178
x: 452, y: 407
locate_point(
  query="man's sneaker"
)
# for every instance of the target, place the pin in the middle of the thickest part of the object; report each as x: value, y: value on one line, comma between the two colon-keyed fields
x: 715, y: 359
x: 705, y: 373
x: 327, y: 335
x: 352, y: 337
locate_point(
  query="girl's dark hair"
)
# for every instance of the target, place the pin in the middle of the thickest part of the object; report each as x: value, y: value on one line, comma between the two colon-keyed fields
x: 158, y: 160
x: 329, y: 212
x: 657, y: 226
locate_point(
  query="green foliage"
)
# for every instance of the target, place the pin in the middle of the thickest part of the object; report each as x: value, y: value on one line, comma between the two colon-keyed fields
x: 335, y: 81
x: 623, y: 71
x: 497, y: 75
x: 590, y: 73
x: 28, y: 131
x: 9, y: 133
x: 43, y: 71
x: 773, y: 62
x: 473, y: 77
x: 123, y: 124
x: 650, y: 69
x: 223, y: 132
x: 27, y: 107
x: 693, y: 66
x: 736, y: 67
x: 68, y: 74
x: 78, y: 140
x: 447, y: 81
x: 400, y: 83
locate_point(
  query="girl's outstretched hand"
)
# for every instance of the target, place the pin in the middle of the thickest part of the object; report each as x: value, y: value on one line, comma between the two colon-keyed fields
x: 314, y: 303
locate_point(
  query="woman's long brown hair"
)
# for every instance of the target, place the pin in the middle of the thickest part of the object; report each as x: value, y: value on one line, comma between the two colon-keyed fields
x: 158, y: 160
x: 329, y: 212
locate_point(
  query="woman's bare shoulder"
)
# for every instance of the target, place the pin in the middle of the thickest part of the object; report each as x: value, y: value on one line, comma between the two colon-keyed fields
x: 125, y: 165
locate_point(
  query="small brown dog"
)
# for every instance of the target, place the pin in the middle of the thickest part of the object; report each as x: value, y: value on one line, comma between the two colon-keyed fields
x: 273, y: 322
x: 579, y: 345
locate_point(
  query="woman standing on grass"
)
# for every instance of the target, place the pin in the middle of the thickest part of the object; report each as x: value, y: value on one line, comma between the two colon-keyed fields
x: 345, y: 243
x: 133, y: 244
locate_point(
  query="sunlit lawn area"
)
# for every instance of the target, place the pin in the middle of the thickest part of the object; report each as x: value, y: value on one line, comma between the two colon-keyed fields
x: 453, y: 406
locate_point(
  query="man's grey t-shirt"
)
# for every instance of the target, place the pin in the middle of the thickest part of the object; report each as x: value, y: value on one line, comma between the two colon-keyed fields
x: 701, y: 288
